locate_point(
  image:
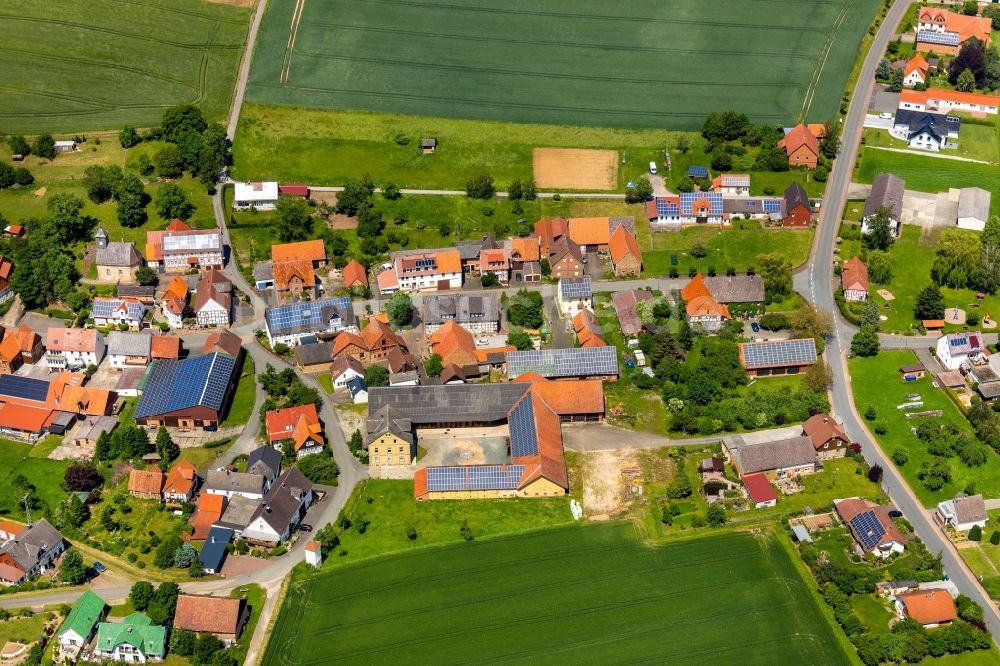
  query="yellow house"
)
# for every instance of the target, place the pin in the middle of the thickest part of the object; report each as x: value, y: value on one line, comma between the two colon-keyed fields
x: 390, y: 441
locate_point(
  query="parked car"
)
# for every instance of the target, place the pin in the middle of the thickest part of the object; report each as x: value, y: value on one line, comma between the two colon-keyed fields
x: 305, y: 527
x: 755, y: 327
x: 98, y: 567
x: 895, y: 513
x: 885, y: 115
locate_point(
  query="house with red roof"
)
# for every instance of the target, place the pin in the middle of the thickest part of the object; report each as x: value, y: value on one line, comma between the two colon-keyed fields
x: 931, y: 608
x: 701, y: 306
x: 181, y: 482
x: 872, y: 528
x: 355, y: 276
x: 942, y: 31
x: 802, y: 147
x: 916, y: 70
x: 298, y: 427
x: 943, y: 100
x: 760, y: 491
x: 854, y: 280
x: 6, y: 270
x: 827, y: 435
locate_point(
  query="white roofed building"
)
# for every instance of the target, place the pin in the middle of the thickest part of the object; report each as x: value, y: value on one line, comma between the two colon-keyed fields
x: 263, y: 195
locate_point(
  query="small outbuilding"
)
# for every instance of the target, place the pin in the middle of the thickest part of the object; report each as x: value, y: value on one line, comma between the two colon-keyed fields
x: 428, y: 145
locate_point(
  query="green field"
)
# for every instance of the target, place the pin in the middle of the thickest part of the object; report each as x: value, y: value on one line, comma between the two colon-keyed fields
x: 642, y: 64
x: 876, y: 381
x: 70, y: 66
x: 572, y: 595
x: 46, y: 475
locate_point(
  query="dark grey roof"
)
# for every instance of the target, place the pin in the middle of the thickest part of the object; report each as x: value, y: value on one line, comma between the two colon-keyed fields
x: 235, y: 482
x: 283, y: 501
x: 454, y: 403
x: 315, y: 353
x: 989, y: 390
x: 118, y: 253
x: 463, y: 308
x: 264, y: 460
x: 571, y: 362
x: 400, y: 377
x: 238, y: 512
x: 213, y: 552
x: 795, y: 195
x: 970, y: 508
x: 263, y: 271
x: 129, y: 344
x: 428, y: 143
x: 939, y: 124
x: 469, y: 249
x: 32, y: 543
x: 136, y: 291
x: 388, y: 420
x: 973, y: 202
x: 626, y: 221
x: 736, y: 288
x: 887, y: 192
x: 754, y: 206
x: 776, y: 454
x: 356, y: 385
x: 101, y: 233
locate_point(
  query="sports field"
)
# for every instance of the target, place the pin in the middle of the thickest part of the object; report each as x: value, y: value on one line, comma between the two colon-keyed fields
x: 645, y: 63
x: 567, y: 595
x: 72, y: 66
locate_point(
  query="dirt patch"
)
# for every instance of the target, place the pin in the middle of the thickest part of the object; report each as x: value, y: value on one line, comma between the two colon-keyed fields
x: 350, y: 421
x: 571, y: 168
x: 886, y: 295
x: 604, y: 484
x: 954, y: 315
x: 338, y: 221
x: 40, y: 192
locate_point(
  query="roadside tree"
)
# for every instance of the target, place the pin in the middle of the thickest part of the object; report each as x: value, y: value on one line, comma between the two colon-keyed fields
x: 930, y: 303
x: 879, y: 236
x: 865, y: 342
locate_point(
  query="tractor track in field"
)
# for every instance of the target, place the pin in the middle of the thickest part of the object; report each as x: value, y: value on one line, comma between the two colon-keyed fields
x: 184, y: 12
x: 293, y: 33
x: 74, y: 60
x: 821, y: 63
x: 120, y: 33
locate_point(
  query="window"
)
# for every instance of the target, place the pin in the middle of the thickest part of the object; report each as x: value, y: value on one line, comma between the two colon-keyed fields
x: 376, y: 460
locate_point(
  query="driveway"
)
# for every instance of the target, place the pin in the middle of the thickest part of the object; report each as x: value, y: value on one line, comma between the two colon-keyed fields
x: 559, y: 327
x: 872, y: 120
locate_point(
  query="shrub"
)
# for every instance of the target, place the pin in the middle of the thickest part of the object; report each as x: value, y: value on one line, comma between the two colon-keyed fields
x: 900, y: 456
x: 976, y: 533
x: 466, y: 531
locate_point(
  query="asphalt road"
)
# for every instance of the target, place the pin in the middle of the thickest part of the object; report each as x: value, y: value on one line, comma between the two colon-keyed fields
x: 820, y: 288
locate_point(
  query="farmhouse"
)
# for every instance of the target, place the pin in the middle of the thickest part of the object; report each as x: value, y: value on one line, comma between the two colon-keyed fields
x: 625, y: 303
x: 702, y: 309
x: 924, y: 130
x: 355, y: 276
x: 494, y: 261
x: 872, y: 528
x: 224, y: 617
x: 296, y: 426
x: 743, y: 292
x: 179, y: 247
x: 931, y: 608
x: 963, y: 513
x: 525, y: 259
x: 235, y: 484
x: 213, y: 301
x: 174, y: 302
x: 187, y: 393
x: 573, y: 295
x: 181, y: 482
x: 129, y: 349
x: 777, y: 357
x: 734, y: 184
x: 915, y: 72
x: 457, y: 347
x: 476, y: 313
x: 687, y: 208
x: 415, y: 270
x: 942, y: 31
x: 573, y: 363
x: 776, y: 459
x: 10, y: 355
x: 145, y: 484
x: 887, y: 192
x: 943, y: 100
x: 565, y: 259
x: 827, y: 435
x: 802, y: 147
x: 760, y: 491
x: 116, y: 261
x: 854, y: 280
x: 593, y: 234
x: 73, y: 348
x: 31, y: 552
x: 263, y: 196
x: 28, y: 342
x: 954, y: 349
x: 135, y: 640
x: 289, y: 324
x: 81, y: 623
x: 390, y: 438
x: 798, y: 212
x: 213, y: 552
x: 973, y: 208
x: 373, y: 344
x: 108, y: 311
x: 588, y: 330
x: 626, y: 258
x: 469, y: 251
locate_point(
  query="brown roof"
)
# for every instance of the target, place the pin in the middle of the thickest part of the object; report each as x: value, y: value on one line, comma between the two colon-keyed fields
x: 525, y: 249
x: 854, y: 275
x: 355, y: 273
x: 165, y: 346
x: 311, y: 250
x: 850, y: 508
x: 625, y: 303
x: 622, y: 244
x: 455, y: 344
x: 9, y: 349
x: 798, y: 137
x: 821, y: 428
x: 217, y: 615
x: 180, y: 479
x: 148, y: 483
x: 929, y: 606
x: 563, y: 247
x: 225, y: 341
x: 27, y: 339
x: 577, y: 396
x: 287, y: 271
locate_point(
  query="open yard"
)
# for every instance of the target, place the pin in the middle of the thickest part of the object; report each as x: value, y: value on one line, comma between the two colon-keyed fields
x: 976, y: 142
x: 575, y: 169
x: 876, y: 381
x: 574, y: 595
x: 44, y: 474
x: 69, y: 66
x: 241, y: 407
x: 644, y: 64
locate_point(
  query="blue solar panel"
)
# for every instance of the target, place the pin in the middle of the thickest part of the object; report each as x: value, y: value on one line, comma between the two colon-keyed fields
x: 661, y: 207
x: 25, y: 388
x: 523, y: 435
x: 689, y: 199
x: 312, y: 314
x: 698, y: 172
x: 778, y: 353
x: 944, y: 38
x: 477, y: 477
x: 772, y: 205
x: 868, y: 529
x: 106, y: 308
x: 570, y: 362
x: 576, y: 287
x: 174, y: 385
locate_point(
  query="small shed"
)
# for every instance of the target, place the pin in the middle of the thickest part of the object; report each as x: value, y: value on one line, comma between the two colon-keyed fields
x: 697, y: 172
x: 67, y: 146
x: 17, y: 158
x: 933, y: 325
x: 801, y: 534
x: 428, y: 145
x: 912, y: 371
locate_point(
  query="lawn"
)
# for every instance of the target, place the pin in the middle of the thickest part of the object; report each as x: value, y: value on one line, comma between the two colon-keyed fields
x: 545, y: 61
x: 70, y: 66
x: 876, y: 381
x: 391, y: 508
x: 929, y: 174
x: 241, y: 407
x: 574, y: 595
x: 872, y: 612
x: 326, y: 381
x: 976, y: 142
x: 254, y: 595
x: 22, y: 629
x: 46, y: 475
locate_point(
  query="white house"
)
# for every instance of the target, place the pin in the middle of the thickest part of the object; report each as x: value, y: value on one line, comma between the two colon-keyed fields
x: 973, y: 208
x: 288, y: 324
x: 263, y: 196
x: 211, y: 306
x: 65, y: 146
x: 477, y: 313
x: 574, y: 295
x: 107, y: 311
x: 887, y: 192
x: 198, y: 248
x: 732, y: 184
x: 135, y: 640
x: 944, y: 100
x: 954, y: 349
x: 73, y: 348
x: 358, y: 390
x: 415, y: 270
x: 872, y: 529
x: 282, y: 509
x: 963, y: 512
x: 31, y: 552
x: 344, y: 369
x: 81, y: 623
x: 229, y: 484
x: 129, y: 350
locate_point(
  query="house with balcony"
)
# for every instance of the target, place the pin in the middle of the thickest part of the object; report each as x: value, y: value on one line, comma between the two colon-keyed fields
x: 129, y: 349
x: 73, y: 348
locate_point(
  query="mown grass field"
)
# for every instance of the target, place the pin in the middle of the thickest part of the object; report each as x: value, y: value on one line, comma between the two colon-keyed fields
x: 642, y: 64
x: 876, y: 381
x: 70, y: 66
x: 46, y: 475
x: 573, y: 595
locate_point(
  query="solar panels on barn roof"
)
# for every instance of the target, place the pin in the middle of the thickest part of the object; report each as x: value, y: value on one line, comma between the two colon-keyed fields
x: 192, y: 241
x: 523, y: 435
x: 25, y: 388
x: 313, y: 315
x: 772, y: 205
x: 868, y: 528
x: 735, y: 180
x: 714, y: 199
x: 667, y: 208
x: 172, y: 385
x: 476, y: 477
x: 776, y: 353
x: 575, y: 287
x: 574, y: 362
x: 698, y: 172
x: 943, y: 38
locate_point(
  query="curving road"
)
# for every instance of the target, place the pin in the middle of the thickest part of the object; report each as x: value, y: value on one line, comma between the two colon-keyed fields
x: 820, y: 287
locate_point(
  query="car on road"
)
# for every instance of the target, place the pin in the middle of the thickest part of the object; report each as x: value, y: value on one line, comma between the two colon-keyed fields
x: 98, y: 567
x: 305, y: 527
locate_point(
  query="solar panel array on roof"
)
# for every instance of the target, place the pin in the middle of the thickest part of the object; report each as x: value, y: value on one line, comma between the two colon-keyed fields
x: 698, y: 172
x: 779, y: 353
x: 868, y: 529
x: 189, y: 241
x: 25, y: 388
x: 689, y: 199
x: 172, y: 385
x: 573, y: 362
x: 308, y: 315
x: 477, y: 477
x: 106, y: 308
x: 456, y: 403
x: 943, y: 38
x: 341, y: 302
x: 772, y: 205
x: 667, y: 208
x: 523, y: 435
x: 735, y: 180
x: 576, y: 287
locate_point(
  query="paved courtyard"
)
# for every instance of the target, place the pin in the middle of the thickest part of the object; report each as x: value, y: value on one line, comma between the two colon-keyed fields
x: 464, y: 446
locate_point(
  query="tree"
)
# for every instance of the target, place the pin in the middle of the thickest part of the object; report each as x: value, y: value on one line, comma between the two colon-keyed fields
x: 662, y: 310
x: 970, y: 7
x: 72, y: 570
x: 44, y: 146
x: 75, y: 513
x: 884, y: 69
x: 776, y: 272
x: 879, y: 230
x: 292, y: 219
x: 132, y: 198
x: 680, y: 487
x: 875, y: 473
x: 182, y: 642
x: 128, y: 137
x: 721, y: 160
x: 400, y: 309
x: 164, y: 556
x: 102, y: 450
x: 771, y: 158
x: 376, y: 375
x: 976, y: 533
x: 168, y: 162
x: 966, y: 81
x: 642, y: 191
x: 870, y: 314
x: 181, y: 119
x: 18, y: 145
x: 184, y: 556
x: 530, y: 190
x: 930, y: 303
x: 23, y: 177
x: 520, y: 340
x: 971, y: 57
x: 480, y: 186
x: 879, y: 266
x: 716, y: 516
x: 524, y: 309
x: 171, y: 202
x: 205, y: 648
x: 433, y: 365
x: 465, y: 531
x: 490, y: 280
x: 224, y: 658
x: 145, y: 276
x: 356, y: 194
x: 865, y: 342
x: 516, y: 191
x: 391, y: 192
x: 895, y: 81
x: 958, y: 258
x: 682, y: 144
x: 141, y: 595
x: 165, y: 445
x: 995, y: 538
x: 900, y: 456
x: 726, y: 126
x: 213, y: 155
x: 819, y: 377
x: 807, y: 321
x: 320, y: 468
x: 82, y: 477
x: 370, y: 223
x: 6, y: 175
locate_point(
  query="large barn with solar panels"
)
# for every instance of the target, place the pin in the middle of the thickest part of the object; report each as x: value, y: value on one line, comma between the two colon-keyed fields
x: 872, y: 528
x: 777, y: 357
x: 187, y: 393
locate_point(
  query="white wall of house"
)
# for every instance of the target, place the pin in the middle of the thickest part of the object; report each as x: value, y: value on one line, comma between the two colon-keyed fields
x: 971, y: 223
x: 213, y: 313
x: 71, y: 360
x: 121, y: 361
x: 431, y: 281
x: 205, y: 258
x: 340, y: 381
x: 856, y: 294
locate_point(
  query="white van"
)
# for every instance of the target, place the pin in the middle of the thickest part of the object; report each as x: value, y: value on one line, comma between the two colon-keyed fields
x: 652, y: 167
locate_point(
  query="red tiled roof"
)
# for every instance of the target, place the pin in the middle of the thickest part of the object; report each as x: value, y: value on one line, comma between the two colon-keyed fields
x: 916, y: 63
x: 854, y: 275
x: 225, y: 341
x: 9, y: 349
x: 145, y: 482
x: 165, y: 346
x: 954, y: 96
x: 207, y: 512
x: 178, y: 225
x: 23, y: 417
x: 217, y: 615
x: 354, y: 273
x: 71, y: 339
x: 759, y: 488
x: 525, y: 249
x: 799, y: 137
x: 622, y: 244
x: 311, y: 250
x: 180, y: 479
x: 590, y: 230
x: 455, y: 344
x: 929, y: 606
x: 287, y: 271
x: 294, y: 190
x: 821, y: 428
x: 299, y: 424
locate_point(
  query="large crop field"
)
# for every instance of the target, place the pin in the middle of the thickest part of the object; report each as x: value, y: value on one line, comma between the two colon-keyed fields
x: 72, y: 66
x: 571, y: 595
x: 645, y: 63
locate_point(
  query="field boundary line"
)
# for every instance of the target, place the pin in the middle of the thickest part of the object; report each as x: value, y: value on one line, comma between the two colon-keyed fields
x: 175, y: 10
x: 293, y: 33
x: 119, y: 33
x: 821, y: 64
